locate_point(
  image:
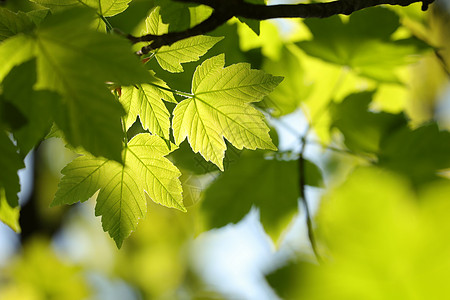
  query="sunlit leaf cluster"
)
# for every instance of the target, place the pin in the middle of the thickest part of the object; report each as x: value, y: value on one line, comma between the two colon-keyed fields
x: 195, y: 134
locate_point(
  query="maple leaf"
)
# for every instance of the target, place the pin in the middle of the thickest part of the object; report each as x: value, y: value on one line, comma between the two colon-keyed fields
x: 220, y: 109
x: 145, y: 101
x: 121, y: 201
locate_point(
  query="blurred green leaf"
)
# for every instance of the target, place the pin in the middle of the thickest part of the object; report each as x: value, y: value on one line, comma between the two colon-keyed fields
x: 37, y: 106
x: 269, y: 184
x: 13, y: 23
x: 293, y: 90
x: 106, y: 8
x: 39, y: 15
x: 363, y: 43
x: 9, y: 215
x: 416, y: 153
x: 39, y: 274
x: 363, y: 130
x: 10, y: 163
x: 253, y: 24
x: 381, y: 242
x: 11, y: 118
x: 66, y: 47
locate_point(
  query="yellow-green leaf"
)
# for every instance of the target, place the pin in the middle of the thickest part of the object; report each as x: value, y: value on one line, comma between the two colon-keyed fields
x: 121, y: 201
x: 220, y: 109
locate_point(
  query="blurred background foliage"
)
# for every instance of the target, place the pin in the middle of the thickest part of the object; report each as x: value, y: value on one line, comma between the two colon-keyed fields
x: 370, y: 96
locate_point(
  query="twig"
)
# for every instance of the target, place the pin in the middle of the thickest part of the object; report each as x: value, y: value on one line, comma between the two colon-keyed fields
x: 302, y: 184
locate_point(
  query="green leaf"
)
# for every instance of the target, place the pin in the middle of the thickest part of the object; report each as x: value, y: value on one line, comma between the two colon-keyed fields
x: 364, y: 43
x: 383, y: 240
x: 37, y: 106
x: 145, y: 101
x: 106, y: 8
x: 171, y: 57
x: 13, y: 23
x: 363, y: 130
x: 65, y: 47
x: 253, y: 24
x: 10, y: 163
x: 418, y: 154
x: 286, y: 98
x: 39, y: 15
x: 9, y: 215
x: 269, y: 184
x: 199, y: 13
x: 11, y: 118
x: 17, y: 50
x: 175, y: 14
x: 121, y: 201
x: 220, y: 109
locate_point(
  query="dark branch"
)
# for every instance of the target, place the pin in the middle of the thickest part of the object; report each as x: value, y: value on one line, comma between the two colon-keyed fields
x: 226, y: 9
x: 215, y: 20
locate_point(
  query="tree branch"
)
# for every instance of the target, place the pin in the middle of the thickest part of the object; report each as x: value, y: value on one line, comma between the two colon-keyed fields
x: 226, y: 9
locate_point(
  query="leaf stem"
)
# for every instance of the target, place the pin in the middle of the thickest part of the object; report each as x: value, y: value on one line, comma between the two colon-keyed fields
x: 109, y: 27
x: 302, y: 184
x: 184, y: 94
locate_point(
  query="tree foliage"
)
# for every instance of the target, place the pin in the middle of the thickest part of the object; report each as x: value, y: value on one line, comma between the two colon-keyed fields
x: 178, y: 104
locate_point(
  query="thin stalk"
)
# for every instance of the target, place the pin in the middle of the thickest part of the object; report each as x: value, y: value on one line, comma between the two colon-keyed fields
x: 302, y: 184
x: 187, y: 95
x: 109, y: 27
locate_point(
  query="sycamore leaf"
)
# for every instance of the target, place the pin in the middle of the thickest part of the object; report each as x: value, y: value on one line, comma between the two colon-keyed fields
x: 10, y: 163
x: 220, y: 109
x: 65, y: 47
x: 9, y: 215
x: 121, y: 201
x: 171, y: 57
x: 145, y: 101
x: 106, y: 8
x: 154, y: 24
x: 12, y: 23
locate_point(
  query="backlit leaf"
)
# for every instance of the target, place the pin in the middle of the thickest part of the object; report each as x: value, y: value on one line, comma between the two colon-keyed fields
x: 106, y: 8
x: 145, y: 101
x: 171, y: 57
x: 9, y: 215
x: 220, y: 109
x: 121, y: 201
x: 37, y: 106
